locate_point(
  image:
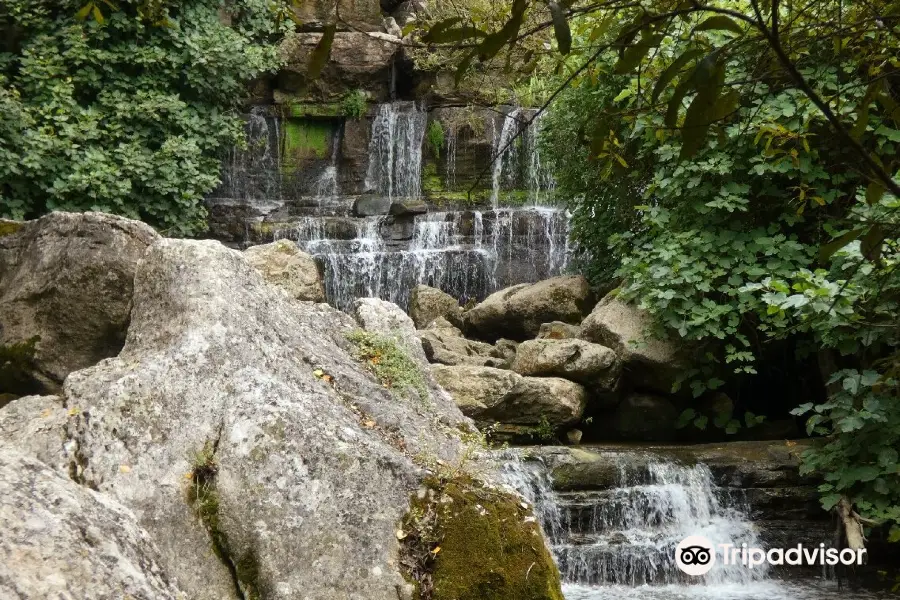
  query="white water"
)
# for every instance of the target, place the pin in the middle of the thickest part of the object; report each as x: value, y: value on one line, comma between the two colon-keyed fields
x: 395, y: 150
x: 620, y: 543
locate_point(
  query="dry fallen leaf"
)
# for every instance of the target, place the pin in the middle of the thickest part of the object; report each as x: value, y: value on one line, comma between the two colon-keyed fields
x: 401, y: 534
x: 124, y: 468
x: 369, y: 423
x: 436, y: 550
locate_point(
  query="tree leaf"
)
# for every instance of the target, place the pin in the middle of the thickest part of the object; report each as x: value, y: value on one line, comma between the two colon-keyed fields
x: 874, y: 192
x: 98, y: 16
x: 463, y: 66
x: 561, y: 28
x: 871, y: 243
x: 320, y: 54
x: 438, y: 28
x: 633, y: 55
x: 828, y: 250
x: 720, y: 22
x: 85, y: 11
x: 669, y: 74
x: 701, y: 112
x: 491, y: 45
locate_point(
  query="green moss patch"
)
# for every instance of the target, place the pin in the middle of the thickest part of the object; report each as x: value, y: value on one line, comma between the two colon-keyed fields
x: 305, y: 139
x: 303, y: 109
x: 9, y: 227
x: 465, y: 541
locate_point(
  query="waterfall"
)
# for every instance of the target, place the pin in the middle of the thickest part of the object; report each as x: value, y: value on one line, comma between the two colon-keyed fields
x: 395, y: 150
x: 519, y: 164
x: 626, y: 536
x: 326, y: 186
x: 251, y: 174
x: 620, y: 542
x: 504, y: 152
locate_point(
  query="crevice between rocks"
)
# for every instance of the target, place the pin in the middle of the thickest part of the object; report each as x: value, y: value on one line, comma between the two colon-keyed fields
x: 203, y: 498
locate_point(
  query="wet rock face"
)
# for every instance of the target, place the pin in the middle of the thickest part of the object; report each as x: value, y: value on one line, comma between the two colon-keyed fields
x: 283, y: 264
x: 62, y: 540
x: 362, y: 15
x: 490, y: 395
x: 68, y: 278
x: 645, y: 417
x: 519, y: 311
x: 221, y: 388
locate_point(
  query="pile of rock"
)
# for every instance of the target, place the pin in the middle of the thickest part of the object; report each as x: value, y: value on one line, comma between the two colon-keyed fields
x: 539, y: 359
x: 226, y: 441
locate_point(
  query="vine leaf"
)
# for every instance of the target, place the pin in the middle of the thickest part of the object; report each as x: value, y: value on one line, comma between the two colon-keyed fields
x: 321, y: 53
x: 561, y: 28
x: 439, y: 28
x: 633, y: 55
x: 709, y: 77
x: 491, y: 45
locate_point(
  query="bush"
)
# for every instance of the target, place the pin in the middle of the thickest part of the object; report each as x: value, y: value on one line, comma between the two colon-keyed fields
x: 129, y: 110
x: 354, y: 104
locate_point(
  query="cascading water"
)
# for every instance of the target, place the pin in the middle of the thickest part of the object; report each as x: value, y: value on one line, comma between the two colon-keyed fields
x: 620, y: 542
x: 395, y: 150
x: 285, y: 176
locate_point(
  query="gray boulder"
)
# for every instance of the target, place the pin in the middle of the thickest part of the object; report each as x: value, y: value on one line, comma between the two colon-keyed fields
x: 445, y: 347
x: 590, y: 364
x: 283, y: 264
x: 63, y: 540
x: 519, y: 311
x: 557, y: 330
x: 217, y: 426
x: 427, y: 304
x: 649, y: 363
x: 645, y: 417
x: 371, y: 205
x: 491, y: 395
x: 67, y: 278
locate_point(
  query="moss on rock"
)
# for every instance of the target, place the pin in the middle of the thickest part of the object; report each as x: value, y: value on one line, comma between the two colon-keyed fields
x: 8, y: 227
x: 467, y: 541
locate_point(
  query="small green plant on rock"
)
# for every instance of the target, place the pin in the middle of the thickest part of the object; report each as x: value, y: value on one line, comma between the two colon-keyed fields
x: 543, y: 431
x: 388, y: 362
x: 436, y: 137
x: 354, y: 104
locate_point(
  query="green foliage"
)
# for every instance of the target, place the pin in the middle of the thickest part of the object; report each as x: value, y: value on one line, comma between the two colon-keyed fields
x: 354, y: 104
x: 129, y: 113
x: 388, y: 361
x: 435, y: 137
x: 742, y: 183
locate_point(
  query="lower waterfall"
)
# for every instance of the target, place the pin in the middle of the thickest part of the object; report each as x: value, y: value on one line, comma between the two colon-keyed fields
x: 620, y: 542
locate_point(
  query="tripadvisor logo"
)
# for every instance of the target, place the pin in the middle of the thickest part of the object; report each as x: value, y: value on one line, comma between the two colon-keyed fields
x: 696, y: 555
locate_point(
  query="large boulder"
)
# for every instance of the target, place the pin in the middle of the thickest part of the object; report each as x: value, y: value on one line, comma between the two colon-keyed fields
x: 444, y: 347
x: 285, y: 265
x: 519, y: 311
x: 649, y: 363
x: 63, y: 540
x: 491, y: 395
x: 646, y: 418
x: 591, y: 364
x: 358, y: 61
x: 427, y: 304
x: 237, y: 419
x: 66, y: 278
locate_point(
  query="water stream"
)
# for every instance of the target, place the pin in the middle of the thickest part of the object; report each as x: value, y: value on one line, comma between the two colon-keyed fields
x: 619, y: 543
